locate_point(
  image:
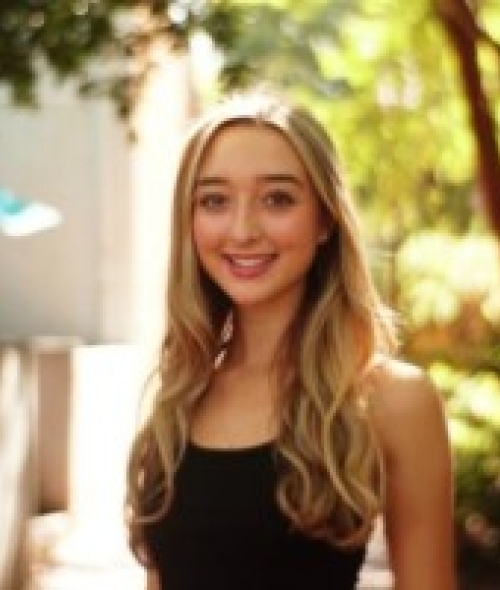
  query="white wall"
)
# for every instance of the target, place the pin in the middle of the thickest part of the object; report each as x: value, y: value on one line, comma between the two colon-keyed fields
x: 161, y: 122
x: 98, y: 276
x: 49, y: 281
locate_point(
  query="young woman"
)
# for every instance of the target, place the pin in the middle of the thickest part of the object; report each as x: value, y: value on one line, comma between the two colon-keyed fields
x: 282, y: 426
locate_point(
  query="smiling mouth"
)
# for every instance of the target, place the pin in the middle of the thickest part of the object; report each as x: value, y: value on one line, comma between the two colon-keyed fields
x: 249, y: 266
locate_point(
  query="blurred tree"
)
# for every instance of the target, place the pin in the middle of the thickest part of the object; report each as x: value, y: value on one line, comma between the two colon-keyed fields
x: 379, y: 73
x: 67, y: 34
x: 403, y: 125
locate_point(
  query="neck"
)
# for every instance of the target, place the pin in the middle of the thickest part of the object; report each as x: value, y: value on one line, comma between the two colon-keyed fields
x: 258, y: 339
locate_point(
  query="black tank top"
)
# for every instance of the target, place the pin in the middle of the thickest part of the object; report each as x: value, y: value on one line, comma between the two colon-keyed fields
x: 224, y: 531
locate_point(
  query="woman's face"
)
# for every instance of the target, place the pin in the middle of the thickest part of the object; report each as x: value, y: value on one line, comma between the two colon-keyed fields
x: 256, y: 220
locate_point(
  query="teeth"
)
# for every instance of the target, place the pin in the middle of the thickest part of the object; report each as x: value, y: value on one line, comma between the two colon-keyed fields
x: 248, y: 262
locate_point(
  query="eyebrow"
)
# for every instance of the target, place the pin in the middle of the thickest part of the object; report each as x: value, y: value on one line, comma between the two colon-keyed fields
x: 273, y: 177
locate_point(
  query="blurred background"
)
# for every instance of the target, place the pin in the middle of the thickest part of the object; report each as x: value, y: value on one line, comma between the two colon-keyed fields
x: 94, y: 98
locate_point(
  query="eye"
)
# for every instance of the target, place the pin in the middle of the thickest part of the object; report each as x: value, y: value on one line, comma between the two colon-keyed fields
x: 279, y: 199
x: 212, y: 201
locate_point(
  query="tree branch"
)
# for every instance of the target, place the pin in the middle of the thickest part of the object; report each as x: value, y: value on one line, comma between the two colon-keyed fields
x: 460, y: 25
x: 461, y: 12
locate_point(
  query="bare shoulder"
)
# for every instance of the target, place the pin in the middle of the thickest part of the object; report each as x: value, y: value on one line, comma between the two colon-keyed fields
x: 400, y: 388
x: 408, y: 417
x: 405, y: 406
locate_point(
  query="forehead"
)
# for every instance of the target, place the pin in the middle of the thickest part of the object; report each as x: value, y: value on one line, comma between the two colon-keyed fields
x: 250, y: 147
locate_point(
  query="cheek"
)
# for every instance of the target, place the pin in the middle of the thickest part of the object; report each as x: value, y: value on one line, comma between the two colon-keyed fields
x: 296, y: 232
x: 206, y: 233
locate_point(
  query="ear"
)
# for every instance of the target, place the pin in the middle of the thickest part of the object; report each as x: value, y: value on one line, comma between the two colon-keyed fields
x: 327, y: 224
x: 323, y: 236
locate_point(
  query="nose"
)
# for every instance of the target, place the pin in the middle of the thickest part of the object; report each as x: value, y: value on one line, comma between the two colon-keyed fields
x: 245, y: 225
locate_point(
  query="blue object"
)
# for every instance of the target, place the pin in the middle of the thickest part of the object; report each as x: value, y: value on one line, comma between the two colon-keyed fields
x: 22, y: 217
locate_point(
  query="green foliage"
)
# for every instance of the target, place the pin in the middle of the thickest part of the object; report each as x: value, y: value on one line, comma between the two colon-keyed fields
x: 379, y: 73
x: 394, y: 129
x: 277, y: 42
x: 66, y: 33
x: 432, y: 270
x: 71, y: 35
x: 449, y: 294
x: 473, y: 407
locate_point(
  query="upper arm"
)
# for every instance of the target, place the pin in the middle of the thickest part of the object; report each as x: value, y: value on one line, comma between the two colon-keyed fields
x: 419, y: 496
x: 152, y: 580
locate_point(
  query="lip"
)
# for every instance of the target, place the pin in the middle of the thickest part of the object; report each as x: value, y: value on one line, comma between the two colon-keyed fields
x: 249, y: 267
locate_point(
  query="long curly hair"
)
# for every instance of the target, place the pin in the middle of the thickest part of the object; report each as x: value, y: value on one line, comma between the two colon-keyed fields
x: 331, y: 485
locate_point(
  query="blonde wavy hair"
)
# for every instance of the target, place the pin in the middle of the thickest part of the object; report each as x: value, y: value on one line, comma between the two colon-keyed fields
x: 332, y: 482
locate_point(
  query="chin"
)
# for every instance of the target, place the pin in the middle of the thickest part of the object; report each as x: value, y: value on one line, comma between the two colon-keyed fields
x: 274, y: 301
x: 245, y: 301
